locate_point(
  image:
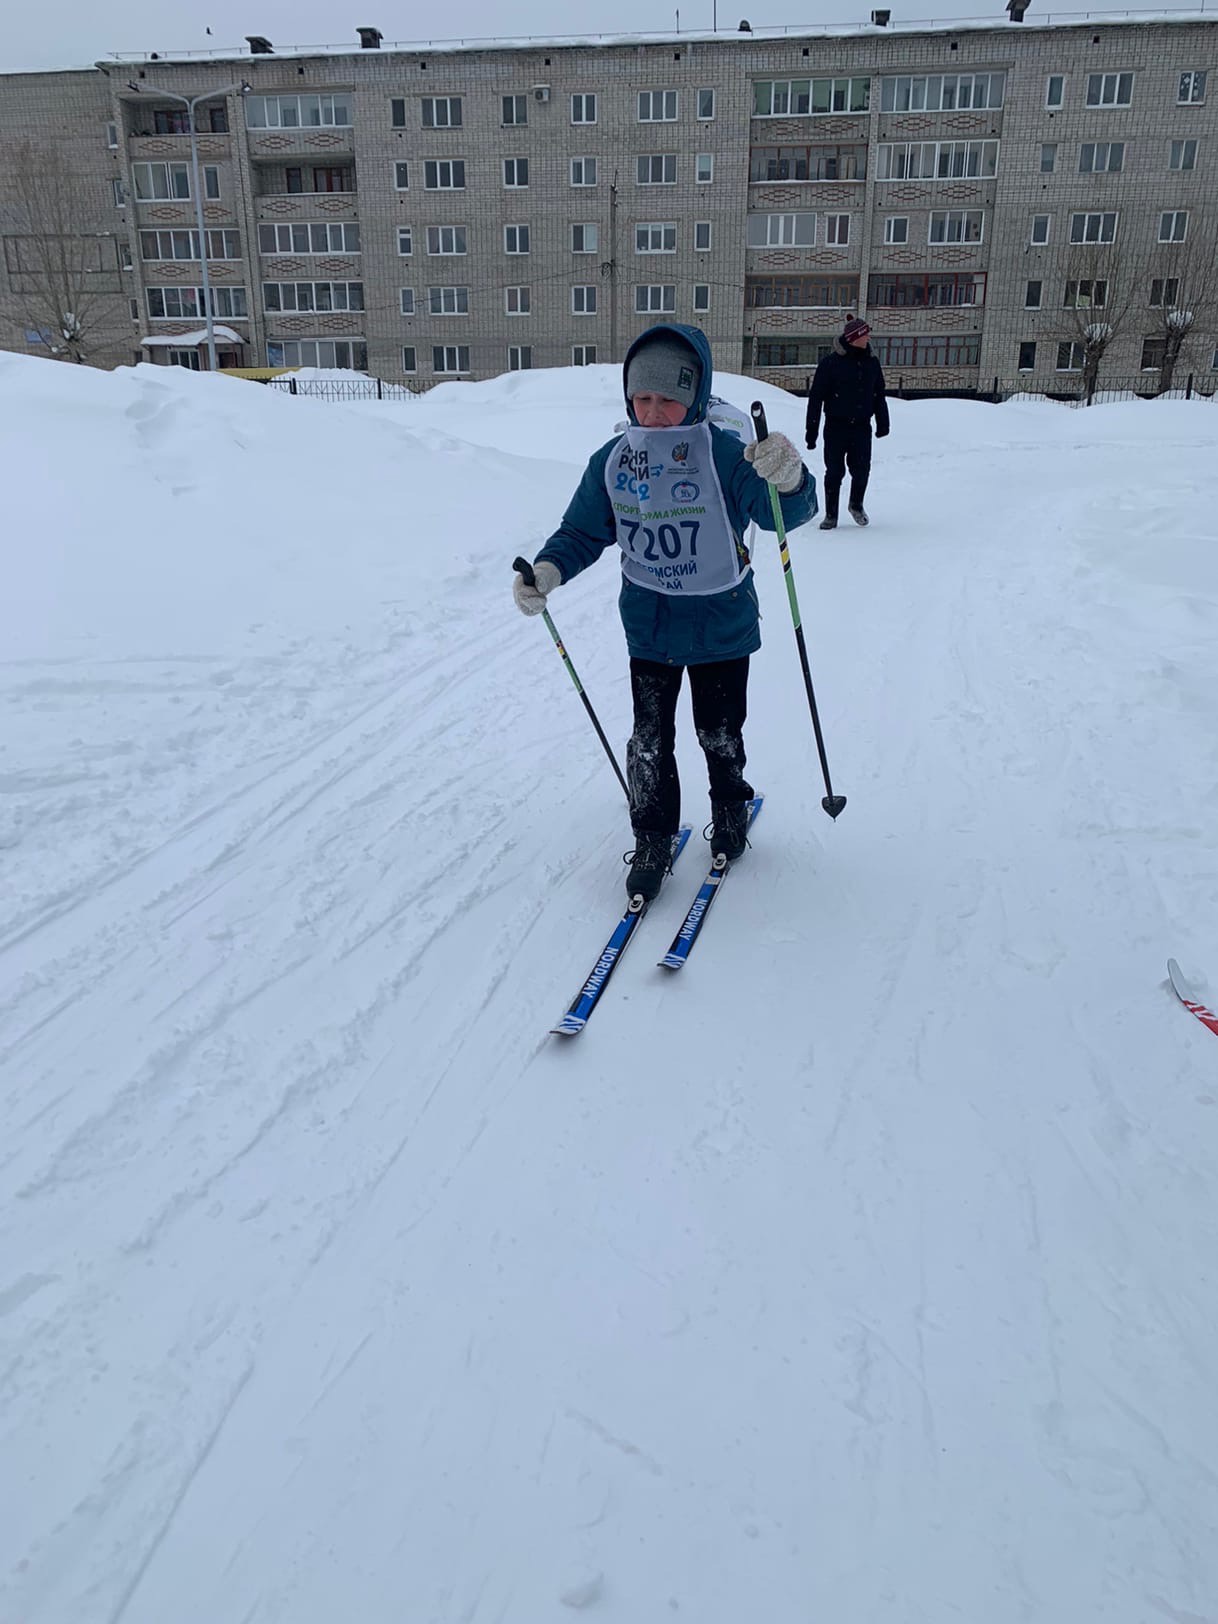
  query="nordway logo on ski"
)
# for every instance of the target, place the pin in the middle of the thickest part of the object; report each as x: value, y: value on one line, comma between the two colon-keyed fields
x: 603, y: 966
x: 693, y: 918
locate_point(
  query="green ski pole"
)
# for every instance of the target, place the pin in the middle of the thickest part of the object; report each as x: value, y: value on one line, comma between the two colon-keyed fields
x: 833, y: 804
x: 525, y: 569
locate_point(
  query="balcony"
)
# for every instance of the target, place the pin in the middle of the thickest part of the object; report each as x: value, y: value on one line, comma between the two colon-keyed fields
x: 321, y: 143
x: 176, y: 148
x: 272, y: 206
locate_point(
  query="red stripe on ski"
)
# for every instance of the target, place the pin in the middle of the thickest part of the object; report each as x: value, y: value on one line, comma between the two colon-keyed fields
x: 1183, y: 992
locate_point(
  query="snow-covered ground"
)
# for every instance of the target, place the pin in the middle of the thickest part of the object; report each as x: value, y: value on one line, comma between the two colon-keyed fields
x: 864, y: 1273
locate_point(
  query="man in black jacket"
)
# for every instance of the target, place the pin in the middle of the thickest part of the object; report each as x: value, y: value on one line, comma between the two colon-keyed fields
x: 849, y: 386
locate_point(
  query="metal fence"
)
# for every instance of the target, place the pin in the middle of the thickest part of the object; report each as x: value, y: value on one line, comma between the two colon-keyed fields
x: 1067, y: 388
x: 341, y: 389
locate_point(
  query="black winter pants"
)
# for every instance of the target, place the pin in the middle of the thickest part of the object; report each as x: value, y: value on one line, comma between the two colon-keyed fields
x: 719, y: 692
x: 846, y: 444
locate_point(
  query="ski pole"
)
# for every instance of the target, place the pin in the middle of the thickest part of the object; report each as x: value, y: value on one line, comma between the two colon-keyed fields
x: 526, y: 570
x: 833, y: 804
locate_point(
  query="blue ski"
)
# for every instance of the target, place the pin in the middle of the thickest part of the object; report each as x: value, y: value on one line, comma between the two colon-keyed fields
x: 586, y: 1000
x: 683, y: 941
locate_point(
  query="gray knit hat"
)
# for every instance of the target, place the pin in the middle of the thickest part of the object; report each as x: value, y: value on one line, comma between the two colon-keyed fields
x: 664, y: 365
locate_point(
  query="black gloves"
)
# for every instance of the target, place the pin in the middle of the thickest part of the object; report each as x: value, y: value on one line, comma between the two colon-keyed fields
x: 811, y: 444
x: 880, y: 433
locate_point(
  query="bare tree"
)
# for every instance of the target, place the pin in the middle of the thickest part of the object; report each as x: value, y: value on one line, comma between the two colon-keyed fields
x: 1098, y: 302
x: 61, y: 279
x: 1180, y: 282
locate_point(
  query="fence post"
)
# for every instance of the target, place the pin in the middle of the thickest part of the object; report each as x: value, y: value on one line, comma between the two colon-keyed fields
x: 1188, y: 388
x: 291, y: 386
x: 379, y: 396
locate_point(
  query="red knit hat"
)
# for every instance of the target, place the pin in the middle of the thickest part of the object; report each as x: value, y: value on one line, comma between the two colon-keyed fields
x: 856, y: 328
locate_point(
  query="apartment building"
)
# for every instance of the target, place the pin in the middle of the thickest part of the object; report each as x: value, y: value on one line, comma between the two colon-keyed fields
x: 998, y: 199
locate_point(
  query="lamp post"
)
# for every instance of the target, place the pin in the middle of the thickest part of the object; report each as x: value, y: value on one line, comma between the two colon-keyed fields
x: 190, y: 103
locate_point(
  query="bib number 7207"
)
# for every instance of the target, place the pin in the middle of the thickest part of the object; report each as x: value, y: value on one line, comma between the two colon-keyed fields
x: 667, y: 537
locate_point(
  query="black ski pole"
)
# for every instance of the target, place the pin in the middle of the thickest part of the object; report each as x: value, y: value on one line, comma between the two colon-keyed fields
x: 833, y: 804
x: 525, y: 569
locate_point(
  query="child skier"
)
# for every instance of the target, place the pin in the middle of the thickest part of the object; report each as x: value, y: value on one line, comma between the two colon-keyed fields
x: 676, y: 494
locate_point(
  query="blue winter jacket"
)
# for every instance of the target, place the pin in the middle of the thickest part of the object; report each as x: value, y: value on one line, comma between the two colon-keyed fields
x: 671, y: 630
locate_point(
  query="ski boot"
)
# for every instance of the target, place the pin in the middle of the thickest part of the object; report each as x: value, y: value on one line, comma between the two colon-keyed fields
x: 649, y: 862
x: 829, y: 522
x: 728, y: 830
x: 858, y: 515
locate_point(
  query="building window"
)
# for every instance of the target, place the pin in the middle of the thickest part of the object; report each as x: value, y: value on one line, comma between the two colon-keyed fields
x: 1027, y: 356
x: 515, y: 239
x: 819, y: 163
x: 706, y: 104
x: 583, y: 171
x: 938, y: 160
x: 801, y: 292
x: 583, y: 355
x: 1048, y: 157
x: 448, y: 301
x: 940, y: 290
x: 185, y: 244
x: 704, y: 169
x: 515, y: 109
x: 183, y: 358
x: 583, y: 108
x: 343, y: 354
x: 701, y: 296
x: 657, y: 106
x: 410, y: 358
x: 1093, y: 227
x: 155, y: 181
x: 1055, y: 90
x: 1101, y: 157
x: 120, y: 193
x: 405, y: 241
x: 296, y: 112
x: 655, y: 298
x: 112, y: 137
x: 1191, y: 88
x: 781, y: 230
x: 655, y: 237
x: 1085, y: 295
x: 517, y: 301
x: 1164, y: 292
x: 1069, y: 356
x: 441, y: 112
x: 1173, y: 225
x: 401, y: 176
x: 702, y: 236
x: 444, y: 175
x: 516, y: 172
x: 126, y: 261
x: 1154, y: 353
x: 1109, y: 89
x: 941, y: 92
x: 1032, y: 294
x: 182, y: 304
x: 896, y: 228
x: 1039, y: 234
x: 837, y: 229
x: 956, y: 225
x: 310, y: 296
x: 938, y: 350
x: 659, y: 169
x: 450, y: 358
x: 315, y: 237
x: 520, y: 357
x: 584, y: 238
x: 329, y: 178
x: 1183, y: 155
x: 397, y: 112
x: 446, y: 240
x: 780, y: 98
x: 583, y: 300
x: 407, y: 298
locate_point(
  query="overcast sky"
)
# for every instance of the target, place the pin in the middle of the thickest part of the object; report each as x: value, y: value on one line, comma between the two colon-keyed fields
x: 76, y: 33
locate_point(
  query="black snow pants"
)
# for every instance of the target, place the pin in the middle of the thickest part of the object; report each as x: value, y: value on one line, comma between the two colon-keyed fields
x: 719, y: 692
x: 846, y: 444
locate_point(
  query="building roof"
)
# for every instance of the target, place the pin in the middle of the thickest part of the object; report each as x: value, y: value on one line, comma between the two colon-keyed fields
x: 188, y: 341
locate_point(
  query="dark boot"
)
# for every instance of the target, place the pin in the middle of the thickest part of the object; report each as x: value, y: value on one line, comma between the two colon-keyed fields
x: 729, y: 828
x: 829, y: 522
x: 858, y: 514
x: 649, y: 862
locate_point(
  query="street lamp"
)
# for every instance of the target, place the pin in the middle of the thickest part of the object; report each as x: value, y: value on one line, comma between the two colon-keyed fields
x: 190, y: 103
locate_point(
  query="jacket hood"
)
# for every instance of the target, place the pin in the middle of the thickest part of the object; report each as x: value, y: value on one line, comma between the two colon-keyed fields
x: 700, y: 344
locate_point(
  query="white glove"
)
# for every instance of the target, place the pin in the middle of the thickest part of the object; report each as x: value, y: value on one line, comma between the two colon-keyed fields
x: 531, y: 600
x: 775, y: 459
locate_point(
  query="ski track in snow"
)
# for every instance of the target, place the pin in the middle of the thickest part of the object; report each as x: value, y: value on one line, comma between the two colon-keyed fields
x: 864, y: 1271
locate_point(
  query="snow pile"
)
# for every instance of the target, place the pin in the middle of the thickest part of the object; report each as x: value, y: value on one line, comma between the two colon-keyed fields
x: 863, y: 1272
